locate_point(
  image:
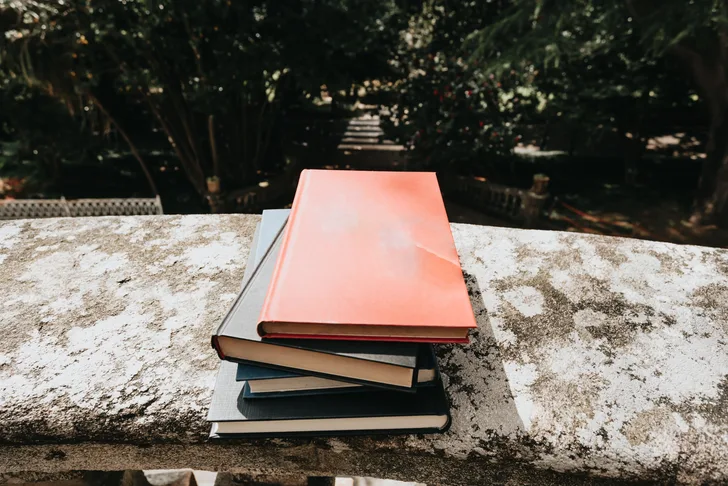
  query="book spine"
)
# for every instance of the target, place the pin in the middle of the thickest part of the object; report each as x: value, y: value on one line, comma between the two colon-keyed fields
x: 216, y: 346
x: 290, y: 229
x: 344, y: 337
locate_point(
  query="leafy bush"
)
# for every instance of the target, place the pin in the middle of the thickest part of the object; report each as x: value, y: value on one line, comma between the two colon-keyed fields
x: 451, y: 112
x: 455, y: 116
x: 214, y: 77
x: 38, y: 139
x: 620, y: 55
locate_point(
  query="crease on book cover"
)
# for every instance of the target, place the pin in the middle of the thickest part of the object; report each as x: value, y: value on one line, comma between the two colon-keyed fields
x: 404, y: 238
x: 441, y: 257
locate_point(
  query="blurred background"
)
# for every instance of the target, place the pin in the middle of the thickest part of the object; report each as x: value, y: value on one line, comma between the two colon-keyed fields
x: 599, y: 117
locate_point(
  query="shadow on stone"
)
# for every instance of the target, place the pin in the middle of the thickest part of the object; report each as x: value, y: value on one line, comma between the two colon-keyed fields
x: 482, y: 403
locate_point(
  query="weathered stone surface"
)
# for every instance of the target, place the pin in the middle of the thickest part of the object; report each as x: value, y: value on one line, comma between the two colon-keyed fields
x: 594, y: 355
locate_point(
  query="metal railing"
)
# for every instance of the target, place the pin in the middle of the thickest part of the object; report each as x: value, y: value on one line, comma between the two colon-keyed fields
x: 59, y: 208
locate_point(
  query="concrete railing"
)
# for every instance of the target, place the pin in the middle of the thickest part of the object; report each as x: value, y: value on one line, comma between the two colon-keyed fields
x: 595, y: 356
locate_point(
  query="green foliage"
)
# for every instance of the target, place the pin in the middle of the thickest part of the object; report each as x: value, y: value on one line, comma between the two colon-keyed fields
x: 548, y: 32
x: 343, y: 43
x: 620, y: 89
x: 602, y: 59
x: 629, y: 46
x: 451, y: 112
x: 214, y: 77
x: 37, y: 138
x: 594, y: 66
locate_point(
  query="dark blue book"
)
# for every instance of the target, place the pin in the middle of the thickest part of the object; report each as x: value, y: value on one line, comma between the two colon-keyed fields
x: 379, y: 411
x: 268, y: 382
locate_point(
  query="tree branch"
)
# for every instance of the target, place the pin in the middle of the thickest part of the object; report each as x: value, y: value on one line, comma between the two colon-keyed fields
x: 128, y: 141
x: 723, y: 44
x: 195, y: 51
x: 711, y: 79
x: 259, y: 135
x: 188, y: 162
x: 213, y: 144
x: 244, y: 159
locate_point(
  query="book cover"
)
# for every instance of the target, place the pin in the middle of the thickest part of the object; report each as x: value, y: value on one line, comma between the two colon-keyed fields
x: 426, y: 363
x: 380, y: 411
x: 271, y: 222
x: 380, y: 247
x: 268, y: 382
x: 375, y: 364
x: 426, y: 372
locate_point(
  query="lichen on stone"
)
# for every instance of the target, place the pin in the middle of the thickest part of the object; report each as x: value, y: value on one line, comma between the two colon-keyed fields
x: 595, y: 355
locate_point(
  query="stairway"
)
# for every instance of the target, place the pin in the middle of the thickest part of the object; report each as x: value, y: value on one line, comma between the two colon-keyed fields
x: 362, y: 146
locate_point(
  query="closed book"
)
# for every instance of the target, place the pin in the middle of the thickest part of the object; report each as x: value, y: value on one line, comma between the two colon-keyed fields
x: 248, y: 394
x: 368, y: 256
x: 263, y: 381
x: 271, y: 222
x: 268, y: 382
x: 380, y: 411
x: 369, y: 363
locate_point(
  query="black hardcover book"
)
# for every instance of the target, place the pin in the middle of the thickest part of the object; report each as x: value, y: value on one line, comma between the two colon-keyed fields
x: 381, y: 364
x: 380, y: 411
x: 268, y: 382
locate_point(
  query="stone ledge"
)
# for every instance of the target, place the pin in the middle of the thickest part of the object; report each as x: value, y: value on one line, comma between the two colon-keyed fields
x: 600, y: 356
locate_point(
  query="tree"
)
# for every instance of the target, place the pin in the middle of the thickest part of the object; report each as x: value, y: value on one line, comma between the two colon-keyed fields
x: 39, y: 138
x: 618, y: 91
x: 693, y: 34
x: 449, y: 111
x: 215, y: 77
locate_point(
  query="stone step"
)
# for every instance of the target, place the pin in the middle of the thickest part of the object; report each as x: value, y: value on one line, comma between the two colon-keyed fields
x: 365, y: 141
x: 364, y: 123
x: 364, y: 147
x: 363, y: 133
x: 364, y: 129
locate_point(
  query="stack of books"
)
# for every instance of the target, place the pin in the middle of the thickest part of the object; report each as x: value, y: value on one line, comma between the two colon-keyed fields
x: 343, y: 297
